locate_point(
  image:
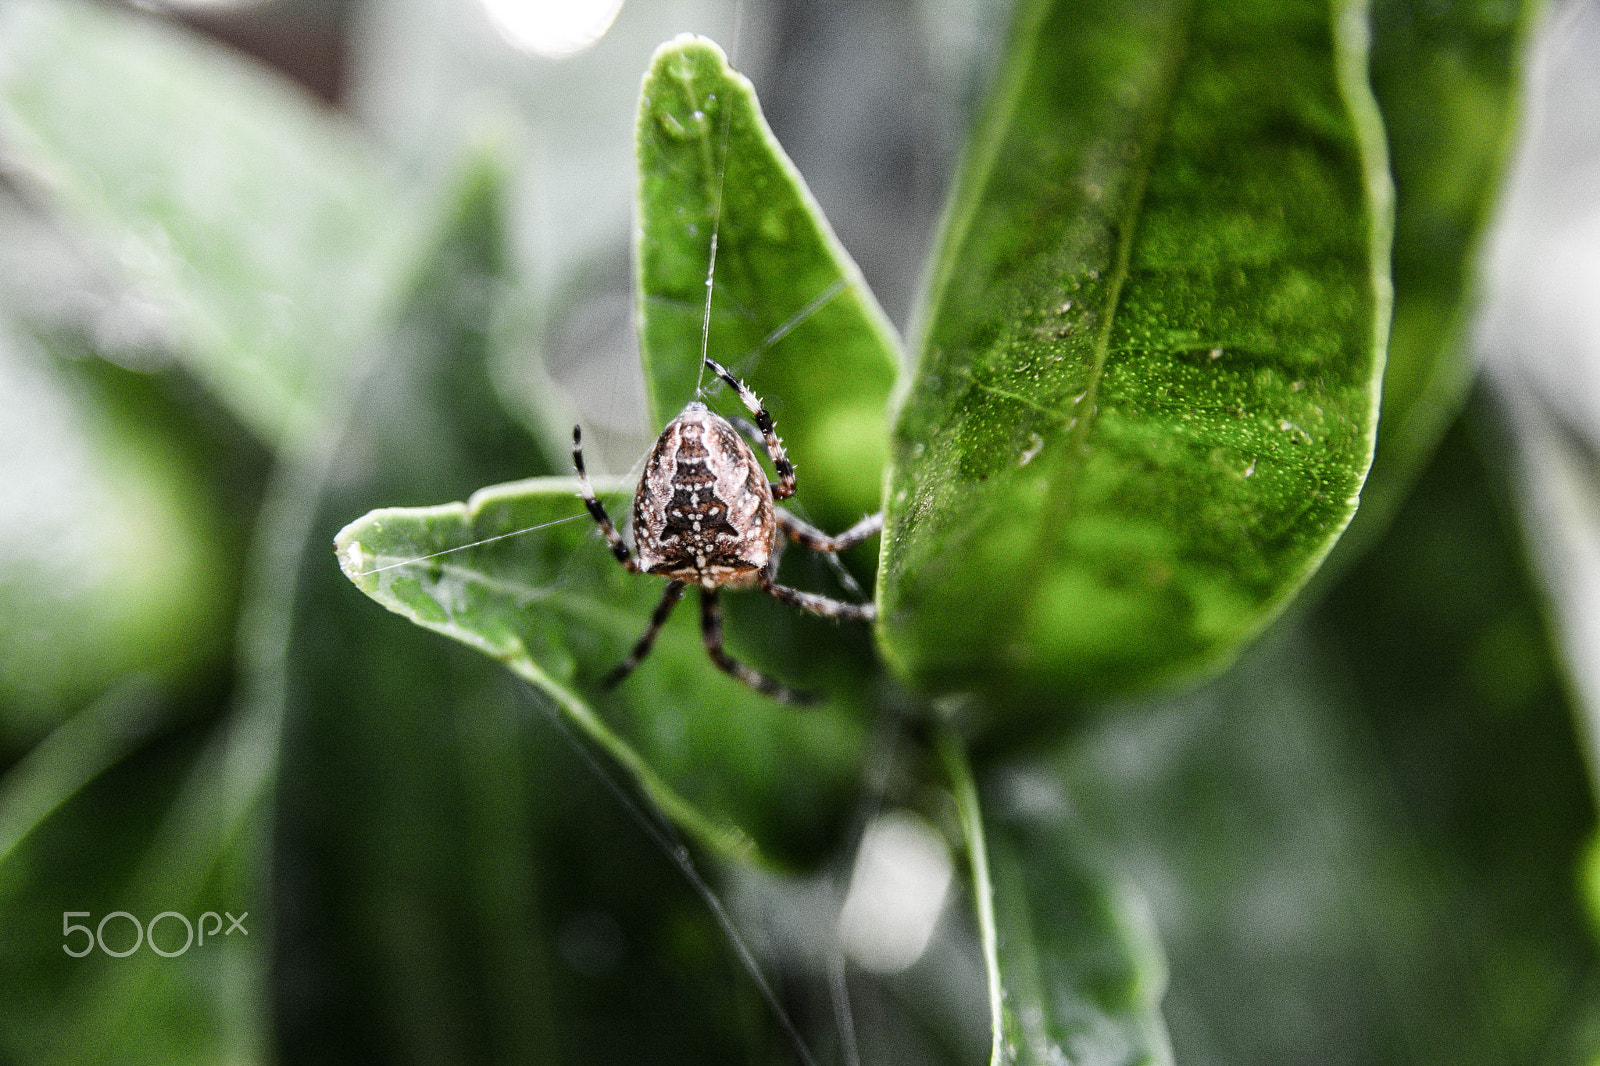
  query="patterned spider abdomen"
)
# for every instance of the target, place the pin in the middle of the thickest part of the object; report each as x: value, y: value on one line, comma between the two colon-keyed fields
x: 703, y: 511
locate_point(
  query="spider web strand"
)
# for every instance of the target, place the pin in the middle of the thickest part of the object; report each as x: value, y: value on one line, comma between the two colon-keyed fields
x: 474, y: 544
x: 818, y: 302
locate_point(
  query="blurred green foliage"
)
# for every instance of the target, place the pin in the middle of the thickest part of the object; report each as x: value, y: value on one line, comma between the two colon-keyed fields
x: 232, y: 322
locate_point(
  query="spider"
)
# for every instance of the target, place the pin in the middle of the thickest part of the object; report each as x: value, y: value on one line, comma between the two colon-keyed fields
x: 704, y: 515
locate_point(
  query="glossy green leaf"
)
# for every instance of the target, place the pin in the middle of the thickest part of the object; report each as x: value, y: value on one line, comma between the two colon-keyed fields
x: 734, y: 768
x: 1367, y: 834
x: 1074, y: 973
x: 252, y: 221
x: 1146, y: 395
x: 789, y: 313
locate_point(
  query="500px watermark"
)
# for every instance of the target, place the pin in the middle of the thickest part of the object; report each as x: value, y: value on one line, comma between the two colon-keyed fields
x: 144, y: 934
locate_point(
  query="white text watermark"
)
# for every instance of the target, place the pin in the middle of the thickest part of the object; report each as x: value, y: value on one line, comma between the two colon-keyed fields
x: 128, y: 935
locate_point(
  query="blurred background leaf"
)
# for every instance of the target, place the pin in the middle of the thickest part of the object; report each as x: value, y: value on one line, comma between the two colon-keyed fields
x: 114, y: 553
x: 1538, y: 336
x: 251, y: 220
x: 1074, y: 970
x: 1448, y: 80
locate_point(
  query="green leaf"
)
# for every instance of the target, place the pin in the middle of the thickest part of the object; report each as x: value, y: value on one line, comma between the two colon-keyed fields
x: 790, y: 313
x: 1074, y: 973
x: 112, y: 554
x: 750, y: 776
x: 519, y: 886
x: 964, y: 789
x: 1366, y: 835
x: 1448, y: 81
x: 251, y: 219
x: 475, y: 849
x: 547, y: 600
x: 1077, y: 950
x: 1146, y: 395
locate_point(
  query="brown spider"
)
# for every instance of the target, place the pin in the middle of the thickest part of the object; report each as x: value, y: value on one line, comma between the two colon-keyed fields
x: 704, y: 515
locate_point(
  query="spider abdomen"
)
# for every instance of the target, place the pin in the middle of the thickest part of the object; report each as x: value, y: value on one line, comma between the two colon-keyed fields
x: 703, y: 511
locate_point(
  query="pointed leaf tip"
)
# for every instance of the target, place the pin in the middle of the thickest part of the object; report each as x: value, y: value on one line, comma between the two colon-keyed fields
x: 790, y: 313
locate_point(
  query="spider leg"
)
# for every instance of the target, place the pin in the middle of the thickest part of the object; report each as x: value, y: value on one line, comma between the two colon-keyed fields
x: 597, y: 510
x: 802, y: 532
x: 711, y: 633
x: 825, y: 606
x: 749, y: 429
x: 783, y: 488
x: 663, y: 610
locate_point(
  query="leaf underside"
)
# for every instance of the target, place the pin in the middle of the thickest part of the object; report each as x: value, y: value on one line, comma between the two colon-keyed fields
x: 747, y: 776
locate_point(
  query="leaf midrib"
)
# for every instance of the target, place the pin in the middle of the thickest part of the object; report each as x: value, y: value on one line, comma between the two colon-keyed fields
x: 1127, y: 227
x: 1070, y: 464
